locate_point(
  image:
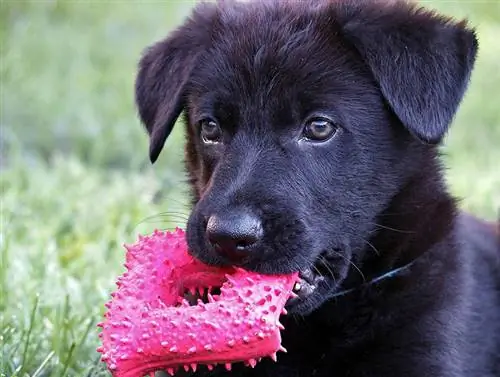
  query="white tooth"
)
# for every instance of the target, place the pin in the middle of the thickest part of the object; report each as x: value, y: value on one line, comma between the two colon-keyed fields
x: 297, y: 287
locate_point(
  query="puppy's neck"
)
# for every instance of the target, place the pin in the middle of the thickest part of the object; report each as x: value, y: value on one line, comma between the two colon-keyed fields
x: 419, y: 216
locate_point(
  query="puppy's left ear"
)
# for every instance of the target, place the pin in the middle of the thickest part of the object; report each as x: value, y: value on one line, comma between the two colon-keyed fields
x: 421, y: 61
x: 164, y: 71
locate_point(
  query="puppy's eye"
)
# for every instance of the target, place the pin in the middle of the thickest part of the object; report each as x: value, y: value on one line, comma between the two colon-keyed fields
x: 319, y: 129
x: 210, y: 131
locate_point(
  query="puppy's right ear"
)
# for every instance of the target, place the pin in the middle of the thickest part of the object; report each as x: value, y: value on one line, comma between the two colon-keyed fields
x: 421, y: 60
x: 164, y: 70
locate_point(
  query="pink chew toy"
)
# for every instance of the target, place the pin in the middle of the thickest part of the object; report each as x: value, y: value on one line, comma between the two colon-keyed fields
x: 150, y: 325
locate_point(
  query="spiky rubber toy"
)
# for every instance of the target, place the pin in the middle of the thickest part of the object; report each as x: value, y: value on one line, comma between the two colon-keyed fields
x: 151, y: 326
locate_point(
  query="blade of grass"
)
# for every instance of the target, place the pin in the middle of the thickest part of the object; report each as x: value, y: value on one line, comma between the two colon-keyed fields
x: 17, y: 371
x: 63, y: 323
x: 90, y: 325
x: 68, y: 360
x: 28, y: 334
x: 42, y: 365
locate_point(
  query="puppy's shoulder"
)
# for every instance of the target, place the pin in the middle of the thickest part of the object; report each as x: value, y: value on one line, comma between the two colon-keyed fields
x: 480, y: 237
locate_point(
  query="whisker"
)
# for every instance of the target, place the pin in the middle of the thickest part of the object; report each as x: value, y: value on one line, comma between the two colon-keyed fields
x: 393, y: 229
x: 154, y: 220
x: 165, y: 217
x: 316, y: 269
x: 327, y: 266
x: 173, y: 213
x: 177, y: 215
x: 165, y: 195
x: 324, y: 262
x: 352, y: 264
x: 373, y: 247
x: 167, y: 222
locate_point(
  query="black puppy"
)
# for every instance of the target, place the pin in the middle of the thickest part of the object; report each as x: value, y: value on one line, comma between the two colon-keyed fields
x: 312, y: 133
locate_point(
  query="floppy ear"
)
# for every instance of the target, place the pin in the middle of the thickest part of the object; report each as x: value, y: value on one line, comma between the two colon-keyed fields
x: 421, y: 61
x: 164, y: 70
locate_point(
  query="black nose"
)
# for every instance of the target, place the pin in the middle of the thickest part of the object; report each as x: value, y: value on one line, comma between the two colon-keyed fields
x: 232, y: 233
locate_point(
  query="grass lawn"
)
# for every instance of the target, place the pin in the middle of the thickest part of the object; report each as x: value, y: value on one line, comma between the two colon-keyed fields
x: 76, y: 183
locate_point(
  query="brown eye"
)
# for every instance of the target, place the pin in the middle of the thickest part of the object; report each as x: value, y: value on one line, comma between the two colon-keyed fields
x: 210, y: 131
x: 319, y: 129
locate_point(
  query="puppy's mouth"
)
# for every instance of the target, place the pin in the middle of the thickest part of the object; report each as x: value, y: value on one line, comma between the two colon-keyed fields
x: 314, y: 282
x: 308, y: 282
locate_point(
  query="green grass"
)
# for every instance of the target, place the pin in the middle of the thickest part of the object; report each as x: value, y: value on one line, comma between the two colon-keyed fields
x: 76, y: 183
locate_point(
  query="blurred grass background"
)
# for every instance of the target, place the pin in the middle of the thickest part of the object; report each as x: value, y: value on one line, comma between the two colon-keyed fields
x: 76, y: 182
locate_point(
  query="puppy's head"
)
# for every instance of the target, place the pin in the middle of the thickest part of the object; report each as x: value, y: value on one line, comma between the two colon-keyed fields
x: 304, y: 120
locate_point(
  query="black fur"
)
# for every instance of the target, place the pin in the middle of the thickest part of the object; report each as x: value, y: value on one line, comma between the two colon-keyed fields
x: 391, y: 76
